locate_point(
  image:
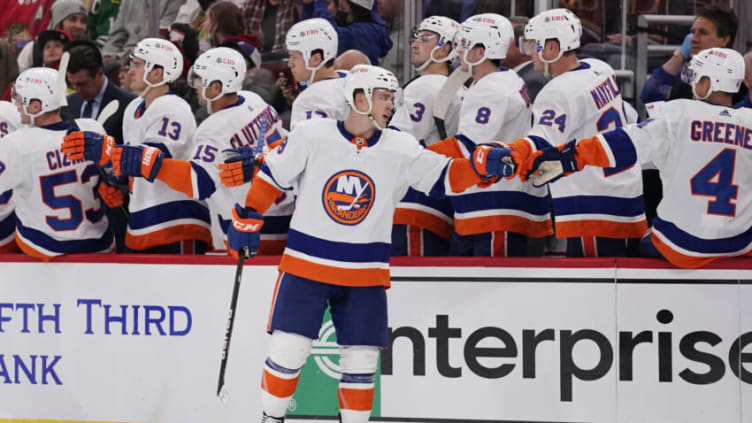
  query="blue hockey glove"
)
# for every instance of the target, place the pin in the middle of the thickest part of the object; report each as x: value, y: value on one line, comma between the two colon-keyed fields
x: 88, y: 145
x: 239, y: 166
x: 243, y: 236
x: 552, y: 163
x: 493, y: 161
x: 139, y: 161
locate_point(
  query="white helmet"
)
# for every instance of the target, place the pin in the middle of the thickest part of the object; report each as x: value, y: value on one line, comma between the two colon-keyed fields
x: 10, y: 120
x: 368, y: 78
x: 39, y: 84
x: 559, y: 24
x: 446, y: 29
x: 159, y: 52
x: 221, y: 64
x: 310, y: 35
x: 723, y: 66
x: 494, y: 32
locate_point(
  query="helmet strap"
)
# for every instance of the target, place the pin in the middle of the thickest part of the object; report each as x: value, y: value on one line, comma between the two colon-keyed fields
x: 209, y: 100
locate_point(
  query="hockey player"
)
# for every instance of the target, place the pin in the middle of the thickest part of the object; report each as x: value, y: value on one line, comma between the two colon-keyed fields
x: 351, y: 175
x: 422, y: 225
x: 599, y: 210
x: 503, y: 219
x: 703, y: 149
x: 56, y: 204
x: 10, y: 120
x: 312, y: 45
x: 160, y: 220
x: 236, y: 119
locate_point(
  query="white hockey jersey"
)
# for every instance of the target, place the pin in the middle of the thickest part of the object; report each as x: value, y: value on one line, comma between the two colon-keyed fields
x: 594, y: 202
x: 235, y: 127
x: 9, y: 122
x: 322, y: 99
x: 496, y: 108
x: 704, y: 153
x: 340, y: 232
x: 58, y: 210
x: 415, y: 115
x: 159, y: 215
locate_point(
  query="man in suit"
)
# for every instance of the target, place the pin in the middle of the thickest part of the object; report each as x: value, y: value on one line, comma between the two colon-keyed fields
x: 93, y: 91
x: 92, y: 88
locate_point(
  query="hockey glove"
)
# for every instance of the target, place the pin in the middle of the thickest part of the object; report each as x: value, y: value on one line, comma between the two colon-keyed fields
x: 112, y: 197
x: 239, y: 165
x: 552, y: 163
x: 243, y: 236
x: 138, y: 160
x: 492, y: 161
x: 88, y: 145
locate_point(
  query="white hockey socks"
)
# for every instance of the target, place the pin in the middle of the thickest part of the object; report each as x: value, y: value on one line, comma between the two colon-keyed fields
x: 287, y: 354
x: 356, y: 386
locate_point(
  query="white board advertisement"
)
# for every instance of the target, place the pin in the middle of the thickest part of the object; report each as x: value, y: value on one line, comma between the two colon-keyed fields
x: 113, y: 342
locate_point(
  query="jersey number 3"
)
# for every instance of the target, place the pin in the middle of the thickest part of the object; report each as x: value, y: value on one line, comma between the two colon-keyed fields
x: 716, y: 179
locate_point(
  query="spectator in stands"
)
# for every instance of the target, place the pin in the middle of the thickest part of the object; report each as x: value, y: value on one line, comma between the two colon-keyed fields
x: 49, y: 46
x: 257, y: 79
x: 714, y: 26
x: 101, y: 15
x: 92, y: 92
x: 67, y: 15
x: 521, y: 63
x: 350, y: 58
x: 747, y: 81
x: 357, y: 24
x: 123, y: 78
x: 8, y: 69
x: 222, y: 20
x: 92, y: 89
x: 135, y: 21
x: 272, y: 19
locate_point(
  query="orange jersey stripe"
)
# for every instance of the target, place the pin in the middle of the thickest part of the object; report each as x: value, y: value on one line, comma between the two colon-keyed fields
x: 601, y: 228
x: 334, y: 275
x: 416, y: 247
x: 177, y: 175
x: 462, y: 176
x: 30, y: 251
x: 449, y: 147
x: 678, y: 259
x: 484, y: 224
x: 423, y: 220
x: 281, y: 388
x: 591, y: 152
x: 355, y: 399
x: 261, y: 195
x: 167, y: 236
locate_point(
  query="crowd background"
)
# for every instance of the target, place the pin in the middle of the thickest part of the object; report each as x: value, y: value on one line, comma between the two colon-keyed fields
x: 36, y: 32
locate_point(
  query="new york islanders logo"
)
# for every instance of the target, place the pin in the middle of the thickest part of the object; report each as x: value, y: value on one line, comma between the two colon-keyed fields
x: 348, y: 196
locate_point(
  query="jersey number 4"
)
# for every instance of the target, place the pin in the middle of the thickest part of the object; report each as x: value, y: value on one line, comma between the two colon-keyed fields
x: 716, y: 179
x: 75, y: 208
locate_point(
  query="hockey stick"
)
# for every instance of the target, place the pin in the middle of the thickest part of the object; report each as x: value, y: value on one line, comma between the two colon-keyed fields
x: 355, y: 200
x: 445, y: 96
x: 108, y: 110
x: 222, y: 392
